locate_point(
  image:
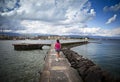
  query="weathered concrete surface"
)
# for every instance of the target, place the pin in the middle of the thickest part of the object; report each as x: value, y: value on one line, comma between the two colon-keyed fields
x: 58, y: 71
x: 73, y: 44
x: 28, y: 46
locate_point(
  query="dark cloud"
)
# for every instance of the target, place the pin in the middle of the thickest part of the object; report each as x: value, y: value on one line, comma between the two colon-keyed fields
x: 10, y: 24
x: 9, y: 5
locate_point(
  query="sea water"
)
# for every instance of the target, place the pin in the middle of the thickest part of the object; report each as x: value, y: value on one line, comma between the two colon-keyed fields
x: 104, y: 53
x: 21, y: 66
x: 24, y: 66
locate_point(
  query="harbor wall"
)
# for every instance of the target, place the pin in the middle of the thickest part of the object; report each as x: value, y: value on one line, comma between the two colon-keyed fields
x: 88, y: 70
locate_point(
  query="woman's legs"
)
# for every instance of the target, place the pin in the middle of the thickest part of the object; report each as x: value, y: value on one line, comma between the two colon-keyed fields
x: 58, y: 55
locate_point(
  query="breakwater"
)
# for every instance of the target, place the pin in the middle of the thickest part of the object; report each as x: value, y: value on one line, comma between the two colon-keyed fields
x: 58, y: 71
x: 73, y: 44
x: 29, y: 46
x: 89, y: 71
x: 26, y: 46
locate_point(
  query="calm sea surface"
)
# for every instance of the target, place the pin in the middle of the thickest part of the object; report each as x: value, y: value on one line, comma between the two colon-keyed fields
x: 23, y: 66
x: 106, y: 54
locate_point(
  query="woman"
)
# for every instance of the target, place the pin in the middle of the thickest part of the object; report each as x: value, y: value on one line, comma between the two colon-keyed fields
x: 57, y: 49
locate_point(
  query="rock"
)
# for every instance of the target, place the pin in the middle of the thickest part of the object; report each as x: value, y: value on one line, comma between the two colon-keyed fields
x: 73, y: 64
x: 93, y: 74
x: 107, y: 77
x: 85, y: 62
x: 82, y: 70
x: 87, y: 69
x: 117, y: 80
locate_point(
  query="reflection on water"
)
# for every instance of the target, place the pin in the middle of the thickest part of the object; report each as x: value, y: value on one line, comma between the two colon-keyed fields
x: 20, y: 66
x: 105, y: 54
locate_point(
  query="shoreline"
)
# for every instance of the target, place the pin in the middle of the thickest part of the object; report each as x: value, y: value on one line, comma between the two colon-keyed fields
x: 87, y: 69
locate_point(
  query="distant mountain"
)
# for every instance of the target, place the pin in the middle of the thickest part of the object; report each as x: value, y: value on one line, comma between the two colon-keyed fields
x: 72, y: 36
x: 10, y: 34
x: 104, y: 37
x: 23, y: 34
x: 93, y: 37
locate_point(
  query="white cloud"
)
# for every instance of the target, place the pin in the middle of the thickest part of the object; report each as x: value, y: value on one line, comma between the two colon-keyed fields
x: 76, y: 16
x: 111, y: 32
x: 116, y: 7
x: 110, y: 20
x: 53, y: 17
x: 48, y: 28
x: 48, y: 16
x: 115, y: 31
x: 53, y: 10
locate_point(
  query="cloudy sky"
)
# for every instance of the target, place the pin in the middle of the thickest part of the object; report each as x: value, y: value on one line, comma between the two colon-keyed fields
x: 79, y: 17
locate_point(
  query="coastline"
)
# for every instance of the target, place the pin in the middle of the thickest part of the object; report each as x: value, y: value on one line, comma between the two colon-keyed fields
x: 87, y: 69
x: 9, y: 46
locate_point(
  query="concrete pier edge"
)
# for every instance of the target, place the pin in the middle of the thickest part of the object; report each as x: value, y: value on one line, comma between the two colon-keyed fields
x: 87, y: 70
x: 58, y: 71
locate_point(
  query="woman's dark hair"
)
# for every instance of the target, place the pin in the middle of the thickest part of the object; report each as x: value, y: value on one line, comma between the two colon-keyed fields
x: 58, y: 41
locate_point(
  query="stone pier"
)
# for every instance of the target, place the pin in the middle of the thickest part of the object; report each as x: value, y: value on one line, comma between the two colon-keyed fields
x: 58, y: 71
